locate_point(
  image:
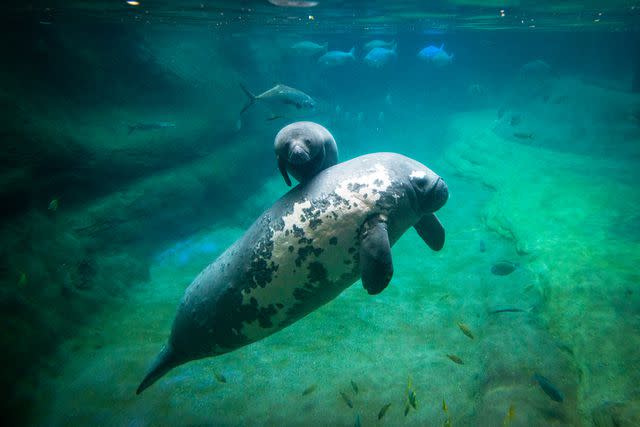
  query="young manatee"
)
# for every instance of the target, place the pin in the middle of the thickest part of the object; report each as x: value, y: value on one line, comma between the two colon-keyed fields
x: 303, y: 149
x: 302, y: 252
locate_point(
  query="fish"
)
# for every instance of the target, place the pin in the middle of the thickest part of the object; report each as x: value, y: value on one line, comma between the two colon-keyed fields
x: 435, y: 55
x: 309, y: 389
x: 357, y: 423
x: 22, y: 279
x: 354, y: 386
x: 380, y: 43
x: 379, y: 57
x: 221, y: 378
x: 53, y: 205
x: 523, y: 135
x: 445, y: 409
x: 309, y: 49
x: 411, y: 395
x: 412, y: 399
x: 507, y: 310
x: 511, y: 414
x: 150, y: 126
x: 503, y: 268
x: 293, y: 3
x: 383, y: 410
x: 483, y: 246
x: 465, y: 330
x: 335, y: 58
x: 455, y: 359
x: 346, y: 399
x: 281, y: 99
x: 406, y: 409
x: 549, y: 389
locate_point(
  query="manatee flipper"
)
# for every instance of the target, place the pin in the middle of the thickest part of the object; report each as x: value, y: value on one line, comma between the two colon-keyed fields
x: 282, y: 165
x: 431, y: 231
x: 376, y: 264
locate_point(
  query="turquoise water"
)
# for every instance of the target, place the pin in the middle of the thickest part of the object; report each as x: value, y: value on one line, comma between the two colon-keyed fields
x: 128, y: 167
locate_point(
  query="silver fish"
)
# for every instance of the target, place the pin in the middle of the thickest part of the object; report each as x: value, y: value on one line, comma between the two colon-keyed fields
x: 281, y: 99
x: 380, y: 43
x: 336, y: 58
x: 307, y: 48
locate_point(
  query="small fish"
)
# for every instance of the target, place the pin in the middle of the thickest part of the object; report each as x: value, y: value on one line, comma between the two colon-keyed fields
x: 380, y: 43
x: 293, y: 3
x: 379, y: 57
x: 507, y: 310
x: 150, y: 126
x: 511, y: 414
x: 53, y: 205
x: 279, y: 98
x: 309, y: 49
x: 221, y: 378
x: 346, y: 399
x: 22, y: 279
x: 550, y: 389
x: 465, y: 330
x: 412, y: 399
x: 455, y: 359
x: 503, y: 268
x: 445, y: 409
x: 335, y: 58
x: 435, y: 55
x: 309, y: 389
x: 354, y: 386
x: 523, y: 135
x: 406, y: 409
x: 383, y: 410
x: 483, y: 246
x: 357, y: 423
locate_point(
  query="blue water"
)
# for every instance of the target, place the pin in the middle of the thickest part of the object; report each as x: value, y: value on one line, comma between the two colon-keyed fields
x: 128, y: 167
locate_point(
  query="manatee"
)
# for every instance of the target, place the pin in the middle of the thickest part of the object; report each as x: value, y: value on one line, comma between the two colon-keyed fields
x: 303, y: 149
x: 313, y: 243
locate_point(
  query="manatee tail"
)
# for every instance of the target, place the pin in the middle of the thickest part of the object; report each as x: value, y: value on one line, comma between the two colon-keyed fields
x: 252, y: 98
x: 165, y: 361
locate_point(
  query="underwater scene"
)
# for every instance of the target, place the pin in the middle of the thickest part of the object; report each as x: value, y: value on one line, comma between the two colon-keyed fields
x: 320, y: 213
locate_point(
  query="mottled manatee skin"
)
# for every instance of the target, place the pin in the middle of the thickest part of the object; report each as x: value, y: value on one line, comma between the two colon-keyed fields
x: 298, y: 255
x: 316, y: 141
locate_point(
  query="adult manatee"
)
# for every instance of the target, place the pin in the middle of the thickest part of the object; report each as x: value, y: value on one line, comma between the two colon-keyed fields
x: 314, y: 242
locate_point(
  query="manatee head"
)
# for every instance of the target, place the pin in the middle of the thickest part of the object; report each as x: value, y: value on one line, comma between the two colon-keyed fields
x: 303, y: 149
x: 430, y: 190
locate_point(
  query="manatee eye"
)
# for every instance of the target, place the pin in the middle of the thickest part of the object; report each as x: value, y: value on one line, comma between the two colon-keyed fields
x: 420, y: 182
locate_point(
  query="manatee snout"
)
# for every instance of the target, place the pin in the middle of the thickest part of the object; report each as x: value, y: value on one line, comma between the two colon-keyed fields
x: 438, y: 196
x: 297, y: 154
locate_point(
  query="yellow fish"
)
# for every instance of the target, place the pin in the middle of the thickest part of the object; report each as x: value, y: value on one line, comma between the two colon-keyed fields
x: 447, y: 422
x: 511, y: 414
x: 465, y: 330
